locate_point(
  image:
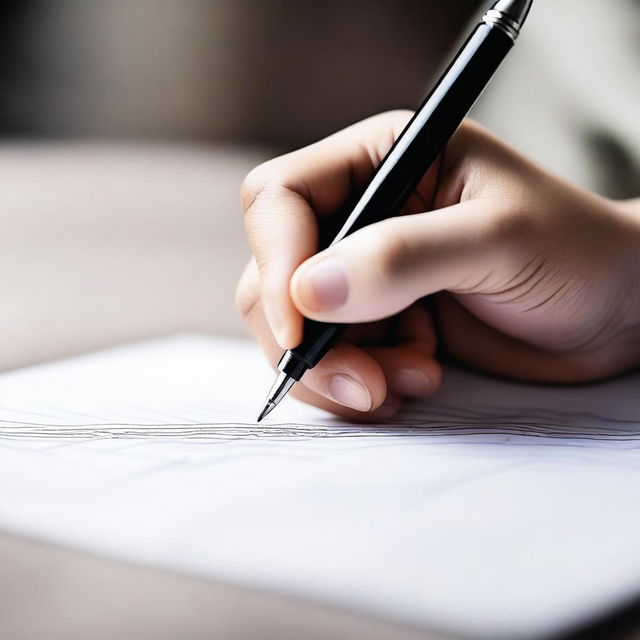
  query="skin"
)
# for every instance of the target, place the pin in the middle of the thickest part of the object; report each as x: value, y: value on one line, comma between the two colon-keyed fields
x: 528, y: 276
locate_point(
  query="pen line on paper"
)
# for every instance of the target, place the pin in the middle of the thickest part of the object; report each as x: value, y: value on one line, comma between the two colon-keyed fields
x: 247, y: 431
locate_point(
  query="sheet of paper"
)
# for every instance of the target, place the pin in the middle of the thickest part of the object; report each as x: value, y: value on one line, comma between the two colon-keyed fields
x: 496, y: 510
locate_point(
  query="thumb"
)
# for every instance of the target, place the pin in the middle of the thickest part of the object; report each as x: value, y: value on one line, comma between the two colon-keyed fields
x: 382, y: 269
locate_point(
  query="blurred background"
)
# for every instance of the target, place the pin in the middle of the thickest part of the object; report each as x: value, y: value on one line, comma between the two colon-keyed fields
x: 273, y: 72
x: 126, y: 127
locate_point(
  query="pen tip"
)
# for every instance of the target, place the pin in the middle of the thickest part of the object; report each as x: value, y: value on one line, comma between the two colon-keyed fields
x: 278, y: 391
x: 269, y: 407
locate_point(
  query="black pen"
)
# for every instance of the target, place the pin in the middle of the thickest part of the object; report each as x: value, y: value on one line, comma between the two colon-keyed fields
x: 408, y: 160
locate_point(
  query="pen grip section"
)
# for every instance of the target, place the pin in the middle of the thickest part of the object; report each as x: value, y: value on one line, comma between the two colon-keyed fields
x: 319, y: 337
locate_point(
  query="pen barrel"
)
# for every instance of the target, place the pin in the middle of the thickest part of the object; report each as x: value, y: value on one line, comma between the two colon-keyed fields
x: 431, y: 127
x: 415, y: 150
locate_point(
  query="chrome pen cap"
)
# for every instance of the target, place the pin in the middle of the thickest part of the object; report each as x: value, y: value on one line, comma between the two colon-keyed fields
x: 517, y: 10
x: 508, y: 15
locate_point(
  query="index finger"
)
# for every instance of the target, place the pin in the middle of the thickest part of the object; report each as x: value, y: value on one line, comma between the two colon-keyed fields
x: 283, y: 198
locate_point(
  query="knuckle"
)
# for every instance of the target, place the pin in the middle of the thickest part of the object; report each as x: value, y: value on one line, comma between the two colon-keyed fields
x: 466, y: 138
x: 255, y: 183
x: 246, y: 295
x: 399, y: 117
x: 469, y: 162
x: 476, y: 137
x: 250, y: 186
x: 510, y: 224
x: 471, y: 129
x: 383, y: 130
x: 392, y: 249
x: 245, y: 301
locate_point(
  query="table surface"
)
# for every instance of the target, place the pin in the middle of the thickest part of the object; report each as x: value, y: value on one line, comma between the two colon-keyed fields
x: 53, y: 592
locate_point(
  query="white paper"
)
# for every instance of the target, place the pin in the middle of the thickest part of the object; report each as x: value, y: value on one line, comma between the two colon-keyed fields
x: 496, y: 510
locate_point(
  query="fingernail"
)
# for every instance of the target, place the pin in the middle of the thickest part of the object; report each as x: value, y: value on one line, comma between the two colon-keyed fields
x: 410, y: 382
x: 276, y: 323
x: 349, y: 392
x: 328, y: 284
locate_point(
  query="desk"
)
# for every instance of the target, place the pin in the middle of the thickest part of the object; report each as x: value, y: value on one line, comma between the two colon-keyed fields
x: 55, y: 593
x: 50, y: 592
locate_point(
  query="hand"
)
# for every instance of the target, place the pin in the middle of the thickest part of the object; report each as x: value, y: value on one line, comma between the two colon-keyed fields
x: 531, y: 277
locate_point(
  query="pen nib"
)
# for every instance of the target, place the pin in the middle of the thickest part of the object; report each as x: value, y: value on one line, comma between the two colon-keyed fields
x: 269, y: 407
x: 279, y: 390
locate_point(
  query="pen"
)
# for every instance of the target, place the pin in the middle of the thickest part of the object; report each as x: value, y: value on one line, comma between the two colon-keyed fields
x: 415, y: 150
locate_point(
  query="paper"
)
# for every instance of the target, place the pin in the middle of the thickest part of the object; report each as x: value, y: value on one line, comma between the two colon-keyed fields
x: 497, y: 510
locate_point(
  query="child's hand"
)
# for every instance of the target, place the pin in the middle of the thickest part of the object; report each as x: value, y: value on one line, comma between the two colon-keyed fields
x: 534, y: 278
